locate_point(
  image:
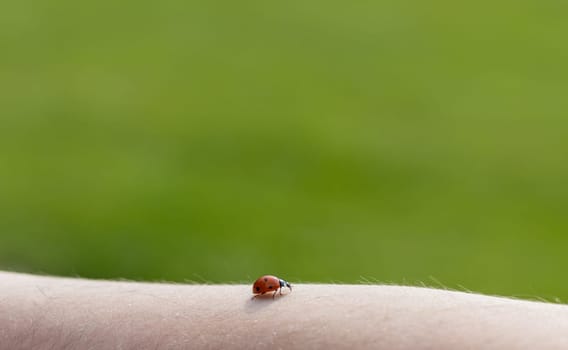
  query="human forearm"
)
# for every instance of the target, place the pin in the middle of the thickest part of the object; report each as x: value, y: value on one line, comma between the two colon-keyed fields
x: 44, y: 312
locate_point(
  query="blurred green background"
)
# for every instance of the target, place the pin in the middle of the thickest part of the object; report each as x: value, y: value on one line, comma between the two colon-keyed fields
x: 405, y: 142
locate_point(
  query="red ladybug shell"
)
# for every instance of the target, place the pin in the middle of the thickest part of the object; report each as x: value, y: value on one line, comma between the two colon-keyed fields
x: 266, y: 284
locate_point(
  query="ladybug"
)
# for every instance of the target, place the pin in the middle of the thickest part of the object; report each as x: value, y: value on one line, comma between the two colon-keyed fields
x: 267, y: 284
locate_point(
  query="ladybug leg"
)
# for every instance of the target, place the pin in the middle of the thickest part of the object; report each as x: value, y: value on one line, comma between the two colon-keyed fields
x: 257, y: 295
x: 276, y: 291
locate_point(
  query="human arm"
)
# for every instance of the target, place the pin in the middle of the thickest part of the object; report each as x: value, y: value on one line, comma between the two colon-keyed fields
x: 57, y: 313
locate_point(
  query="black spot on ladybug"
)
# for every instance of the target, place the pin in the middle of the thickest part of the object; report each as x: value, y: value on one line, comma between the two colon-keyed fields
x: 266, y: 280
x: 257, y: 289
x: 269, y: 287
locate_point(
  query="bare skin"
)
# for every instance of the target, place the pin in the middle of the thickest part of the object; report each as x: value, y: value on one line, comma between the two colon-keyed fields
x: 61, y: 313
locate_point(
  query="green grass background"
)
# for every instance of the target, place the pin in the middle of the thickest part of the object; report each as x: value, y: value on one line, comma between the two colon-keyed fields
x: 398, y: 141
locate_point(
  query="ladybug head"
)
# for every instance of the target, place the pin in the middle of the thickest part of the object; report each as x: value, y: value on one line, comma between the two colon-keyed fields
x: 285, y: 284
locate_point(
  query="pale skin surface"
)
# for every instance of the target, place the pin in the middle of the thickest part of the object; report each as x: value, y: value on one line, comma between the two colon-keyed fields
x: 62, y: 313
